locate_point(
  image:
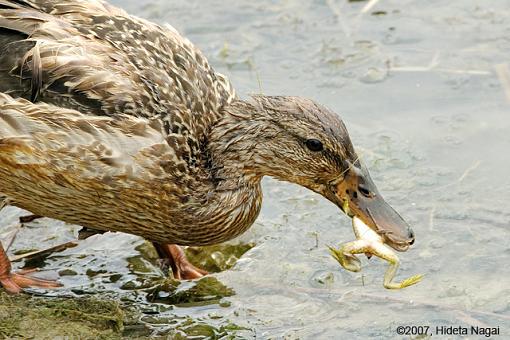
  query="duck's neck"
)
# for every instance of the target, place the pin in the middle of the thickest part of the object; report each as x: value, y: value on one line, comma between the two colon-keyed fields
x: 234, y: 146
x: 230, y: 202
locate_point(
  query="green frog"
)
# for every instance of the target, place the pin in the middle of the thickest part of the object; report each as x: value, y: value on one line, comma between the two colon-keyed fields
x: 369, y: 242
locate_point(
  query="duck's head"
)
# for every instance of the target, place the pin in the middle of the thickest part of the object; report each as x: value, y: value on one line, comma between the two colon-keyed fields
x: 296, y: 140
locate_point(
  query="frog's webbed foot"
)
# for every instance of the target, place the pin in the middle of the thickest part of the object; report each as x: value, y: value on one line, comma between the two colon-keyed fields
x: 405, y: 283
x: 346, y: 259
x: 390, y: 274
x: 411, y: 280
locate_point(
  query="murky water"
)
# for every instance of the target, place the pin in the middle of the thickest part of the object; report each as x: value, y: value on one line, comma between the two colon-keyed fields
x: 419, y: 85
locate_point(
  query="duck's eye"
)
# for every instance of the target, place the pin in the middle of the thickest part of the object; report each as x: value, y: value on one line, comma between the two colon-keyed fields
x: 314, y: 144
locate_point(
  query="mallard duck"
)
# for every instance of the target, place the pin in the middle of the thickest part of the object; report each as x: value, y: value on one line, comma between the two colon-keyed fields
x: 115, y: 123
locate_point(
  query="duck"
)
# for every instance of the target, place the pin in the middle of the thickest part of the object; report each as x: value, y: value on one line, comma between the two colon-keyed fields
x: 115, y: 123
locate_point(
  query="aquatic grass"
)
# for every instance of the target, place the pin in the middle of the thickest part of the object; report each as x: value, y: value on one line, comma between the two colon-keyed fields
x: 31, y: 254
x: 23, y: 316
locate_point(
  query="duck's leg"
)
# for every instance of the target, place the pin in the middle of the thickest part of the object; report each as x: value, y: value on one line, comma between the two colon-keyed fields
x: 171, y: 254
x: 181, y: 267
x: 14, y: 282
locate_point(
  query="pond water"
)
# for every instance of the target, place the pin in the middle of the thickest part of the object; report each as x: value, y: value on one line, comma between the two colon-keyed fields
x: 424, y: 89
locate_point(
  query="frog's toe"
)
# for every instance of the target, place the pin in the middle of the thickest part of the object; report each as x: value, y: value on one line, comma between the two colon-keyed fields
x: 337, y: 254
x: 346, y: 260
x: 411, y: 281
x: 351, y: 263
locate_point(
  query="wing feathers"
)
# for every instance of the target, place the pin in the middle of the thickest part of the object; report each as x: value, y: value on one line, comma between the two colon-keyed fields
x: 44, y: 134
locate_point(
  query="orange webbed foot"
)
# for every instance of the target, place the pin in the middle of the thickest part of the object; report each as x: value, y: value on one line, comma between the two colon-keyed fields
x: 187, y: 271
x: 181, y: 267
x: 14, y: 282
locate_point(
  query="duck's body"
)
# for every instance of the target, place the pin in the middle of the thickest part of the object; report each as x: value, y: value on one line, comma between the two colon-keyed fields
x: 115, y: 123
x: 114, y: 140
x: 117, y: 174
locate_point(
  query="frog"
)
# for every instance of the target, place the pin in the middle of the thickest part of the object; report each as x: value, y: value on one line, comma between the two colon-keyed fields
x: 371, y: 243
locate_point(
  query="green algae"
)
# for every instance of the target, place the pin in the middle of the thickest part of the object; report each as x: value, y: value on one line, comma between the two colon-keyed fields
x: 33, y: 317
x: 23, y: 316
x: 199, y: 330
x: 217, y: 258
x: 214, y: 259
x: 206, y: 291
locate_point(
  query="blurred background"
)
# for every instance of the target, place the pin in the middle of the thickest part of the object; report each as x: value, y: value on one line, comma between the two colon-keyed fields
x: 424, y: 89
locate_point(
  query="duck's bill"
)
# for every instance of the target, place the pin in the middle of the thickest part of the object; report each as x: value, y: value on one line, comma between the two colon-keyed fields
x: 357, y: 195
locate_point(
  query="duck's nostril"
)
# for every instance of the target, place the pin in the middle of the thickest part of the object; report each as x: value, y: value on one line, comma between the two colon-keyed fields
x: 411, y: 236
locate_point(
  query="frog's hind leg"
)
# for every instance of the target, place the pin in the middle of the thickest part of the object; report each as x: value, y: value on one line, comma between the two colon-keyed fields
x: 345, y: 254
x: 392, y: 271
x: 390, y: 274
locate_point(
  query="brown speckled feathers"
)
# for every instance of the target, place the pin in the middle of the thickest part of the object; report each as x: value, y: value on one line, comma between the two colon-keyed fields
x: 93, y: 57
x: 115, y: 123
x: 121, y: 104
